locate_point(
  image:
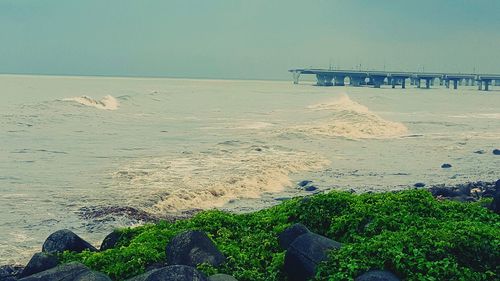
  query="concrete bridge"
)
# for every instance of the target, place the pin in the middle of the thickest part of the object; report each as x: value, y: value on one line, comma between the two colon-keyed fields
x: 377, y: 78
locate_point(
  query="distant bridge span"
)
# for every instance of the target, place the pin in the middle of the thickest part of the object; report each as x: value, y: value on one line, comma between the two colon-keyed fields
x: 336, y: 77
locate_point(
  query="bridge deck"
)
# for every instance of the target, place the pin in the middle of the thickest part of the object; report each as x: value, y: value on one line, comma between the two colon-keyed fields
x: 377, y: 77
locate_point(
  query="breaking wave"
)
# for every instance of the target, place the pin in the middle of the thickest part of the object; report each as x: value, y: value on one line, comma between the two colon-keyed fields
x: 108, y: 102
x: 478, y: 116
x: 351, y: 120
x: 212, y: 178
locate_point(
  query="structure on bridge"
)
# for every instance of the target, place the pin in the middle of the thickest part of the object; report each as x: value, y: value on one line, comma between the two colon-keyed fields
x: 329, y: 77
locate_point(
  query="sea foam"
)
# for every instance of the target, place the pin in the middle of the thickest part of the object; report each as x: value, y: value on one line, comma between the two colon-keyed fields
x: 108, y: 102
x: 351, y: 120
x: 212, y: 178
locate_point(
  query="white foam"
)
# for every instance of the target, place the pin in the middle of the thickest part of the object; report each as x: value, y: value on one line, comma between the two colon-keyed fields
x: 210, y: 179
x: 340, y: 103
x: 478, y: 116
x: 351, y: 120
x: 254, y: 125
x: 108, y: 102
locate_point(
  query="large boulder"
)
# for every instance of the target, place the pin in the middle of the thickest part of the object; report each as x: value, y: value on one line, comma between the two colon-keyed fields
x: 288, y: 235
x: 65, y: 272
x: 10, y: 272
x: 110, y: 241
x: 172, y: 273
x: 92, y: 276
x: 221, y: 277
x: 419, y: 184
x: 443, y: 191
x: 377, y: 275
x: 193, y: 248
x: 304, y: 183
x: 63, y: 240
x: 495, y: 204
x: 310, y: 188
x: 38, y: 263
x: 305, y: 253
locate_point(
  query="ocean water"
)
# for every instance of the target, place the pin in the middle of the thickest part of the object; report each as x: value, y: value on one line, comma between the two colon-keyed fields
x: 69, y: 144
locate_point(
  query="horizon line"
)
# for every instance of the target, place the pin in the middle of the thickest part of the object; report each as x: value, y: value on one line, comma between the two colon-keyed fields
x: 140, y: 76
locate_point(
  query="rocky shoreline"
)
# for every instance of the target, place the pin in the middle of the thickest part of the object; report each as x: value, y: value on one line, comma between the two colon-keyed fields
x: 304, y: 248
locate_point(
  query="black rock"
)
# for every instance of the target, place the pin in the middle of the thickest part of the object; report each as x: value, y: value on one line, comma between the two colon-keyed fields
x: 465, y: 189
x: 10, y: 272
x: 497, y: 185
x: 377, y: 275
x: 38, y: 263
x: 193, y: 248
x: 92, y: 276
x: 110, y: 241
x: 65, y: 272
x: 282, y: 198
x: 310, y: 188
x: 488, y: 192
x: 496, y: 151
x: 221, y: 277
x: 443, y: 191
x: 172, y: 273
x: 446, y: 166
x: 495, y: 205
x: 305, y: 200
x: 8, y: 278
x: 476, y: 184
x: 463, y: 199
x: 63, y: 240
x: 304, y: 183
x: 288, y: 235
x: 419, y: 184
x: 480, y: 151
x: 305, y: 253
x: 156, y: 265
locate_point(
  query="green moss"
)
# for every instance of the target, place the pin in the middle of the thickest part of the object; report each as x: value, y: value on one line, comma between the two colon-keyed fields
x: 409, y: 233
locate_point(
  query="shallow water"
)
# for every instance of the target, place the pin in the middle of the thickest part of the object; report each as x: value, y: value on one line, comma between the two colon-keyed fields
x: 168, y: 145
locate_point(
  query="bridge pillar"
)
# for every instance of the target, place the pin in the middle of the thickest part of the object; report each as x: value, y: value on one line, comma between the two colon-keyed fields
x: 339, y: 80
x: 356, y: 81
x: 403, y: 83
x: 447, y: 83
x: 324, y: 79
x: 427, y: 83
x: 480, y: 85
x: 486, y: 84
x: 393, y: 81
x: 296, y: 76
x: 455, y: 84
x: 377, y: 81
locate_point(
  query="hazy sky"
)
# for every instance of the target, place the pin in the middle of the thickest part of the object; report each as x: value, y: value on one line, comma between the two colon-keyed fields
x: 252, y: 39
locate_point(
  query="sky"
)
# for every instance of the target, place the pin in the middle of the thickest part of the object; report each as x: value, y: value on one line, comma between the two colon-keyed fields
x: 252, y: 39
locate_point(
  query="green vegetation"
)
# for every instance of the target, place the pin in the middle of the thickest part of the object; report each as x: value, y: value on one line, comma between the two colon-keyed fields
x: 409, y: 233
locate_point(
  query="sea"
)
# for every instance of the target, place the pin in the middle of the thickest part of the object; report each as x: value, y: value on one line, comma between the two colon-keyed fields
x: 166, y: 146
